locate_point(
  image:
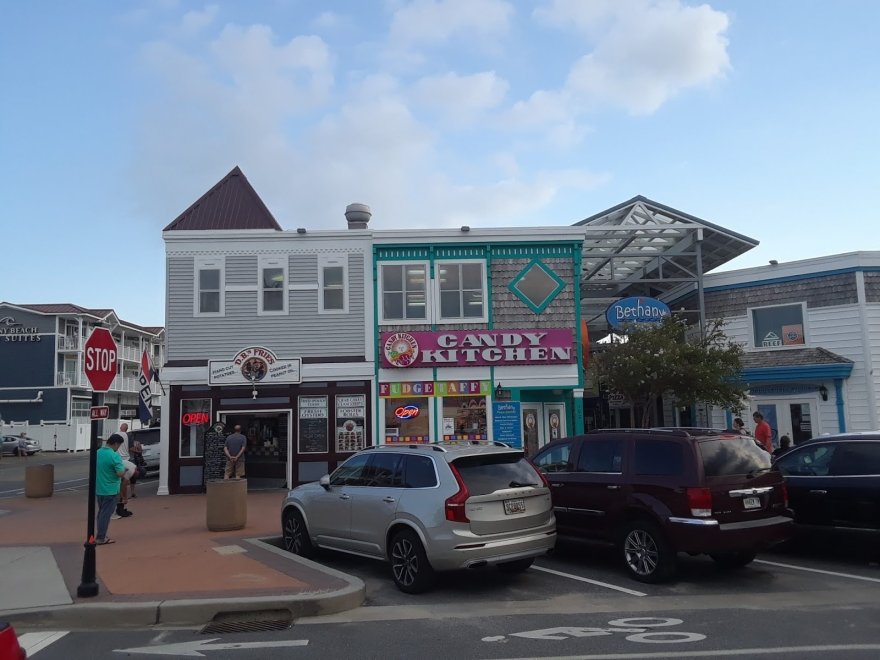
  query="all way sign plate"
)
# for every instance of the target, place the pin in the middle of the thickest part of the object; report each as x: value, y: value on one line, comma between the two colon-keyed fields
x: 99, y: 412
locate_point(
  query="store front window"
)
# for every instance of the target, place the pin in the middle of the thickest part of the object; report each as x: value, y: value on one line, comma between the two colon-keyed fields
x: 407, y: 420
x: 775, y: 327
x: 195, y: 420
x: 466, y: 417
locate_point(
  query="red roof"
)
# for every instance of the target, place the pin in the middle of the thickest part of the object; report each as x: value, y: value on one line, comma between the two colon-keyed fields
x: 231, y: 204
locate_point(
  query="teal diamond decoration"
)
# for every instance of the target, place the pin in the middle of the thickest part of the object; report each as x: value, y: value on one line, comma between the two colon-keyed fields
x: 536, y: 285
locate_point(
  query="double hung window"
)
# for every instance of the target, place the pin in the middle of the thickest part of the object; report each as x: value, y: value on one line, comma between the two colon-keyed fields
x: 460, y: 288
x: 455, y: 293
x: 209, y: 282
x: 273, y: 286
x: 333, y: 276
x: 404, y: 292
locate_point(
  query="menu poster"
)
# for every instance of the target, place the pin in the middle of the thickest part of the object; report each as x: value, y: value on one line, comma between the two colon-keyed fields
x: 351, y: 412
x: 313, y: 436
x: 506, y: 423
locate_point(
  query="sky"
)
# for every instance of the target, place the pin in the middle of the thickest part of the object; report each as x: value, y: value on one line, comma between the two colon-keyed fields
x: 117, y: 115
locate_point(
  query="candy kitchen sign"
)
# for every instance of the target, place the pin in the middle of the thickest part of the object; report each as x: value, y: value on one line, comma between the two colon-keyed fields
x: 254, y: 365
x: 477, y: 347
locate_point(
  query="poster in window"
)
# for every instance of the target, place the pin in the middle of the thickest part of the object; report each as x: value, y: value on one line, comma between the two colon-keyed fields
x: 792, y: 334
x: 313, y: 436
x: 351, y: 412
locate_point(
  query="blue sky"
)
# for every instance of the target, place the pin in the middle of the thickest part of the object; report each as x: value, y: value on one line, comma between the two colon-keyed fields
x: 758, y: 116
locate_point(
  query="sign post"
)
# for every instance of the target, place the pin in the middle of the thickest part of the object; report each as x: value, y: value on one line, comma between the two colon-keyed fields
x: 100, y: 365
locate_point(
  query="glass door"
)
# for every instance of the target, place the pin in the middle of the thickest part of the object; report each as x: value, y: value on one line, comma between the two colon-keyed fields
x: 792, y: 417
x: 541, y: 423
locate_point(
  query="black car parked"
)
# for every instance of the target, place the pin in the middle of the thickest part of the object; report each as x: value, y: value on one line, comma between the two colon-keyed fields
x: 834, y: 481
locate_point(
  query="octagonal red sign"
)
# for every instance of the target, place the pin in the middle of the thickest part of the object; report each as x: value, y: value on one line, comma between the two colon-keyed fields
x: 100, y: 359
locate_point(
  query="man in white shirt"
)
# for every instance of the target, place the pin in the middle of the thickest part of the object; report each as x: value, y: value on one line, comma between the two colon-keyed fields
x: 129, y: 471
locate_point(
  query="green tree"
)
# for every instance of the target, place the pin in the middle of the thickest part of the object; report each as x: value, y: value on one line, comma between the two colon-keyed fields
x: 670, y: 358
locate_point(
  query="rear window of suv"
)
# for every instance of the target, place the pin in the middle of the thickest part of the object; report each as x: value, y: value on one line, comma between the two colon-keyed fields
x: 487, y: 473
x: 150, y: 437
x: 732, y: 455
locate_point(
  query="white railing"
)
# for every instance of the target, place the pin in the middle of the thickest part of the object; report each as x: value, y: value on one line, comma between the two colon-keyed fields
x: 125, y: 384
x: 68, y: 343
x: 72, y: 378
x: 129, y: 353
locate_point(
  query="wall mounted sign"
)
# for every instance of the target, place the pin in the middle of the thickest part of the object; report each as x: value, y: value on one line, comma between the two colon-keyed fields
x: 477, y: 347
x: 438, y: 388
x: 351, y: 413
x: 635, y: 310
x: 10, y: 330
x: 254, y: 365
x: 313, y: 428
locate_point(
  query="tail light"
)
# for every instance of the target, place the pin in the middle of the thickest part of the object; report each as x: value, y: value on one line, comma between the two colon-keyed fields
x: 541, y: 474
x: 700, y: 502
x: 455, y: 505
x: 784, y: 488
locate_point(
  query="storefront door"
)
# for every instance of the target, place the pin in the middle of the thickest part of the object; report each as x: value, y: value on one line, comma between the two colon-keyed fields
x: 541, y: 423
x: 268, y: 440
x: 792, y: 417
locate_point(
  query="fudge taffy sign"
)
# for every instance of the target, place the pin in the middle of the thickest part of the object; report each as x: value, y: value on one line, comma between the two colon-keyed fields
x: 477, y: 347
x: 254, y: 364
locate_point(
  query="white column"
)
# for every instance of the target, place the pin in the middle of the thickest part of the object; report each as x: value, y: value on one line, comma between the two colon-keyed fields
x: 164, y: 445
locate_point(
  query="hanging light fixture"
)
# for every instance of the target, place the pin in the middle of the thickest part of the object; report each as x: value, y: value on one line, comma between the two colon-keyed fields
x: 499, y: 391
x: 823, y: 392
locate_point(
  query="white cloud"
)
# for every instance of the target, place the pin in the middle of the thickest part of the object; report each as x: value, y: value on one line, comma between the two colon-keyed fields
x: 644, y: 51
x: 436, y: 21
x: 460, y: 98
x: 193, y: 22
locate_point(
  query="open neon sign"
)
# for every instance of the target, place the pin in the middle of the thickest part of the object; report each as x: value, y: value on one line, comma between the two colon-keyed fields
x: 196, y: 418
x: 406, y: 412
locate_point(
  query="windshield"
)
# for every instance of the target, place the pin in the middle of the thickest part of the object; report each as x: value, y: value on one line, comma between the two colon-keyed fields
x: 729, y: 455
x: 486, y: 474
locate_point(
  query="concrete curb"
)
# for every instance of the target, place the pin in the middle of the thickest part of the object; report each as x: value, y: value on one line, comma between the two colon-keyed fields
x: 193, y: 611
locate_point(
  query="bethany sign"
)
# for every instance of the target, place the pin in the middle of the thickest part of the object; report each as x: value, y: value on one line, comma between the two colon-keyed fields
x: 477, y: 347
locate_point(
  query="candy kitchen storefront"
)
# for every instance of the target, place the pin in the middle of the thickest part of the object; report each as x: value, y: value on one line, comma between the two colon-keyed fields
x: 511, y: 385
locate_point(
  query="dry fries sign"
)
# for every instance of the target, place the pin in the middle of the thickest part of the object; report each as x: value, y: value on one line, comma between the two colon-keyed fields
x: 254, y: 365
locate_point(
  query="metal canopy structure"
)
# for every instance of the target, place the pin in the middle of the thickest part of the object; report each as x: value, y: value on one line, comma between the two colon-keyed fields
x: 643, y: 248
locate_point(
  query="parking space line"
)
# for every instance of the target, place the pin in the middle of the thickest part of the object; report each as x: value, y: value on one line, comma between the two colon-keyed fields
x: 817, y: 570
x: 631, y: 592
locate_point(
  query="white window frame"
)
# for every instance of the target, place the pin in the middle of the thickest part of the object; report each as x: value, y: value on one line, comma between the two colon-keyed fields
x: 209, y: 263
x: 333, y: 261
x: 435, y: 285
x: 272, y: 262
x: 751, y: 343
x: 428, y: 294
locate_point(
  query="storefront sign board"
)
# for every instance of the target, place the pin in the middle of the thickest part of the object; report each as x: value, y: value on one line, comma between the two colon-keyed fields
x: 477, y: 347
x: 636, y: 309
x: 254, y: 365
x: 506, y: 423
x: 436, y: 388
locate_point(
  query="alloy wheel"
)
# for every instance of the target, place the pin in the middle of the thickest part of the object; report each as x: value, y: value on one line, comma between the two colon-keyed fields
x: 404, y: 562
x: 641, y: 552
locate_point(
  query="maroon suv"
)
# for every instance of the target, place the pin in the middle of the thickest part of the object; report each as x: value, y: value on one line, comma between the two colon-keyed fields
x: 655, y: 493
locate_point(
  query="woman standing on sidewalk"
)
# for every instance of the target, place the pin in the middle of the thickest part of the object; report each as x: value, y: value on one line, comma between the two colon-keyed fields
x: 109, y: 471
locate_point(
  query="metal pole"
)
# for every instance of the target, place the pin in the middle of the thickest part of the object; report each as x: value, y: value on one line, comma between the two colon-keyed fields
x: 88, y: 586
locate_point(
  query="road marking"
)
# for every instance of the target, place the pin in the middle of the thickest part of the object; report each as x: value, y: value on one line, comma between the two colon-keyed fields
x: 35, y: 642
x: 195, y: 648
x: 817, y: 570
x: 720, y: 653
x: 631, y: 592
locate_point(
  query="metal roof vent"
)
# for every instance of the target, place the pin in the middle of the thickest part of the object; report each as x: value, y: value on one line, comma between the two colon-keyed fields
x: 357, y: 215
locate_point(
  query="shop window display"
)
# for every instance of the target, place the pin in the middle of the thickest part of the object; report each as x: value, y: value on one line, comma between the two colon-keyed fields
x: 351, y: 411
x: 195, y: 419
x: 407, y: 420
x: 466, y: 416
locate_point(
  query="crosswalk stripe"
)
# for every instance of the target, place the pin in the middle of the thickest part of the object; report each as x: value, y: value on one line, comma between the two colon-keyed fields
x: 37, y: 641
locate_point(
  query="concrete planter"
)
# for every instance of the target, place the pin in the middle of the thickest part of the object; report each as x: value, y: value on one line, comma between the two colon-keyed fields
x: 39, y: 480
x: 227, y: 505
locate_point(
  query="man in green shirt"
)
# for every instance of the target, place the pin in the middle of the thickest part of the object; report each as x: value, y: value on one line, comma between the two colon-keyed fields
x: 108, y: 473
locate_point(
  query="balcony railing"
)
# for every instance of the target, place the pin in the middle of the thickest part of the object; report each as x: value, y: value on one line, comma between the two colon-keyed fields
x: 68, y: 343
x: 129, y: 353
x: 73, y: 379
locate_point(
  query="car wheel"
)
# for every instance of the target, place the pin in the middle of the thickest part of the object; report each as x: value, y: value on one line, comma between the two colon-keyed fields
x: 734, y: 559
x: 517, y: 566
x: 296, y: 535
x: 647, y: 554
x: 410, y: 568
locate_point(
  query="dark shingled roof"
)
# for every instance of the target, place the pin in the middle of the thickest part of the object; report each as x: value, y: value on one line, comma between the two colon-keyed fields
x: 793, y: 357
x: 231, y: 204
x: 70, y: 308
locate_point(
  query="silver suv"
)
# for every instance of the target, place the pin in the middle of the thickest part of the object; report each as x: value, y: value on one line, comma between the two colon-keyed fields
x: 426, y: 508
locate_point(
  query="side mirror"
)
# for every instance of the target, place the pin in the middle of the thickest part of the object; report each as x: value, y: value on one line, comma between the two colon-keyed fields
x: 325, y: 482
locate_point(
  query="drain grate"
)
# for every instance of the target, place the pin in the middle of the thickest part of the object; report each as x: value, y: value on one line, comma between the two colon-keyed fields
x: 243, y: 622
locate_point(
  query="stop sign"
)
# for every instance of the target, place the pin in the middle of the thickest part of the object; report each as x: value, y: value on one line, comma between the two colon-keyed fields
x: 100, y: 359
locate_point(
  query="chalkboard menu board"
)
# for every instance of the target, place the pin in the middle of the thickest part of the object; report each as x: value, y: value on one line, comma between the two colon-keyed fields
x: 314, y: 427
x: 214, y: 457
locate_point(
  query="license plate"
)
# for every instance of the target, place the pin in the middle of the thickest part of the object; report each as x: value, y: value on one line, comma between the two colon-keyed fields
x: 514, y: 506
x: 752, y: 502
